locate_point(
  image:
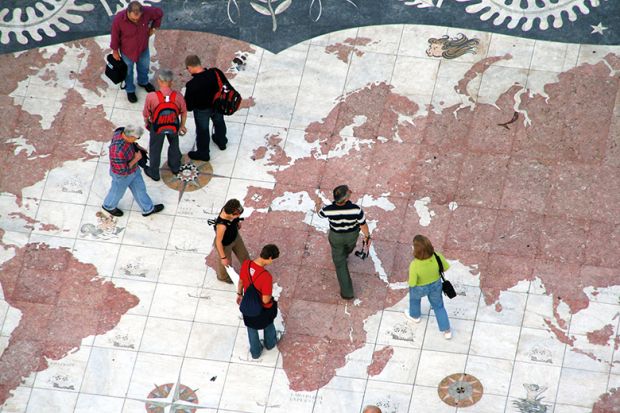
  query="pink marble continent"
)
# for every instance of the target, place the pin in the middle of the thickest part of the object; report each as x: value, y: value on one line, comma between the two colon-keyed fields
x: 608, y: 402
x: 62, y: 301
x: 601, y: 337
x: 380, y: 359
x: 172, y: 47
x: 30, y: 222
x: 532, y: 200
x: 25, y: 172
x: 344, y: 50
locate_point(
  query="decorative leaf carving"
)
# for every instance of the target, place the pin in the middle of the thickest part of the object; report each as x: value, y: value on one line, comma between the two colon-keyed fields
x: 261, y: 9
x: 283, y: 6
x: 320, y: 7
x: 234, y: 3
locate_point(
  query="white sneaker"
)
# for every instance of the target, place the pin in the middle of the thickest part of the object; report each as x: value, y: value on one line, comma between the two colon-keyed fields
x: 447, y: 334
x: 415, y: 320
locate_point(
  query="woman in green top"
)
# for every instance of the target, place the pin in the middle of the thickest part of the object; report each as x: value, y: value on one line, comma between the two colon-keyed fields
x: 424, y: 280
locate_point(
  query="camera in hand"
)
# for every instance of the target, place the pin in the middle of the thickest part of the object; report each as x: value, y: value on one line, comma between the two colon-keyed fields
x: 361, y: 253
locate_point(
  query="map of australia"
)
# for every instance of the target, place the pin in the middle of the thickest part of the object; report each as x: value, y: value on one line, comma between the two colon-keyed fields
x: 521, y: 189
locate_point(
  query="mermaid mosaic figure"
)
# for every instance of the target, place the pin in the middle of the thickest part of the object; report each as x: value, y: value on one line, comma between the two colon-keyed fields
x: 451, y: 47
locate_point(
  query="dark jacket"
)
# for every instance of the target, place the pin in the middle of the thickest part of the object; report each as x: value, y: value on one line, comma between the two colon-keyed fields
x: 201, y: 89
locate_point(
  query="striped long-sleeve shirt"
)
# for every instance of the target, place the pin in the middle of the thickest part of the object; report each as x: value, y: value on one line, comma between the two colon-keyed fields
x: 343, y: 218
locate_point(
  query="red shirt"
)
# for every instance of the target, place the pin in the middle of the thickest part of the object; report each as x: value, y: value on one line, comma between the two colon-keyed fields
x: 260, y: 277
x: 121, y: 153
x: 151, y: 103
x: 133, y: 38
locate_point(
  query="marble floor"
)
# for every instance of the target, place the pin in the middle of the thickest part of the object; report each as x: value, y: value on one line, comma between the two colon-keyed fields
x: 505, y: 152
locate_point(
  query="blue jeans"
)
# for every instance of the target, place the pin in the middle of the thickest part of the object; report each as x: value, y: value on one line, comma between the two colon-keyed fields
x: 142, y: 67
x: 434, y: 294
x: 201, y: 118
x: 135, y: 183
x: 256, y: 348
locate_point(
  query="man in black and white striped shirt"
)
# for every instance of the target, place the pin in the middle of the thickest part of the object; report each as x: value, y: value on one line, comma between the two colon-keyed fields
x: 345, y: 222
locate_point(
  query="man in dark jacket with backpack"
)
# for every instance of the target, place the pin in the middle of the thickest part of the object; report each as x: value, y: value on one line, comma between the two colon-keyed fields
x: 164, y: 114
x: 199, y: 94
x: 255, y: 290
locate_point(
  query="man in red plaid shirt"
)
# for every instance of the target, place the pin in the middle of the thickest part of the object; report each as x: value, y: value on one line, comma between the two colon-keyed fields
x: 125, y: 173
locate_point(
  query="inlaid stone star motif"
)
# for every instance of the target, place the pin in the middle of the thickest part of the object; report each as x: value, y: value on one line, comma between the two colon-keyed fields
x: 192, y: 175
x: 460, y: 390
x: 172, y: 398
x: 599, y: 28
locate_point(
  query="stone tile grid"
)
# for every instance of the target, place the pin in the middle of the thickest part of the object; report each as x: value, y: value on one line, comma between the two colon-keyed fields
x: 376, y: 345
x: 241, y: 330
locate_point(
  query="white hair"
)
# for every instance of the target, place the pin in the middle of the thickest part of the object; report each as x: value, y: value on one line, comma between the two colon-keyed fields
x: 165, y: 75
x: 133, y: 131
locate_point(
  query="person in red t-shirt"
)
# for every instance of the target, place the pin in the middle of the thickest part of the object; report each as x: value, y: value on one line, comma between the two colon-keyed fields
x: 263, y: 282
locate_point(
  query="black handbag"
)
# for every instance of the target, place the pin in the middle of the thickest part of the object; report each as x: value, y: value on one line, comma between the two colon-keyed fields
x: 143, y: 162
x: 446, y: 286
x: 115, y: 70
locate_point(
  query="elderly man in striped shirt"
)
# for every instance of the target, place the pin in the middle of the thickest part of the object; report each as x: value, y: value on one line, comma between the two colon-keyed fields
x: 345, y: 222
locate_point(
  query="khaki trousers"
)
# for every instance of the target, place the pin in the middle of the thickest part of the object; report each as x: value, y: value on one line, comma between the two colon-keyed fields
x: 238, y: 247
x: 343, y: 244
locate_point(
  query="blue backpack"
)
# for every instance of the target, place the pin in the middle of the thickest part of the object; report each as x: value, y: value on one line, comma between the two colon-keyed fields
x: 252, y: 301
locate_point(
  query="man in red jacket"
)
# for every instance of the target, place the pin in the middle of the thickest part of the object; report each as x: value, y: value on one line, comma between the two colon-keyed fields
x: 131, y: 29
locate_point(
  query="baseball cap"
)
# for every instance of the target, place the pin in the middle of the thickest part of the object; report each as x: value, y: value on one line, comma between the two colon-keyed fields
x: 341, y: 193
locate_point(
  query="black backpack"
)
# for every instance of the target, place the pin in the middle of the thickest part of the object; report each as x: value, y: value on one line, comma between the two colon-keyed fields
x: 226, y: 100
x: 115, y: 70
x: 252, y: 301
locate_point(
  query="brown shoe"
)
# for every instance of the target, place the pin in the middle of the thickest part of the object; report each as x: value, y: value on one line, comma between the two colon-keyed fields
x: 226, y: 280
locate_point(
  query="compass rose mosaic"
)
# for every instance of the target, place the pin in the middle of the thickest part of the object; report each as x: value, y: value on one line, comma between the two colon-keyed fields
x: 192, y: 175
x: 159, y: 403
x: 460, y: 390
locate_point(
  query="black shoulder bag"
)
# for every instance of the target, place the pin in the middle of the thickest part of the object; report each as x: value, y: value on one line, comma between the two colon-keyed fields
x: 446, y: 286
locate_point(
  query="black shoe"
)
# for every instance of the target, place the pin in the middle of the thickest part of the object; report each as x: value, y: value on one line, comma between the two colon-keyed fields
x: 131, y: 96
x: 149, y: 88
x: 197, y: 157
x: 226, y: 280
x: 222, y: 146
x: 146, y: 172
x: 347, y: 298
x: 279, y: 335
x: 116, y: 212
x: 157, y: 208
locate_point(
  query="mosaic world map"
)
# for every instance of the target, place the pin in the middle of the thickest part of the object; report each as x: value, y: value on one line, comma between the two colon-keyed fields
x: 507, y: 157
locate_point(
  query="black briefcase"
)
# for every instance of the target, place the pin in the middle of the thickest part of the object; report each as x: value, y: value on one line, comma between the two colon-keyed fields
x: 115, y: 70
